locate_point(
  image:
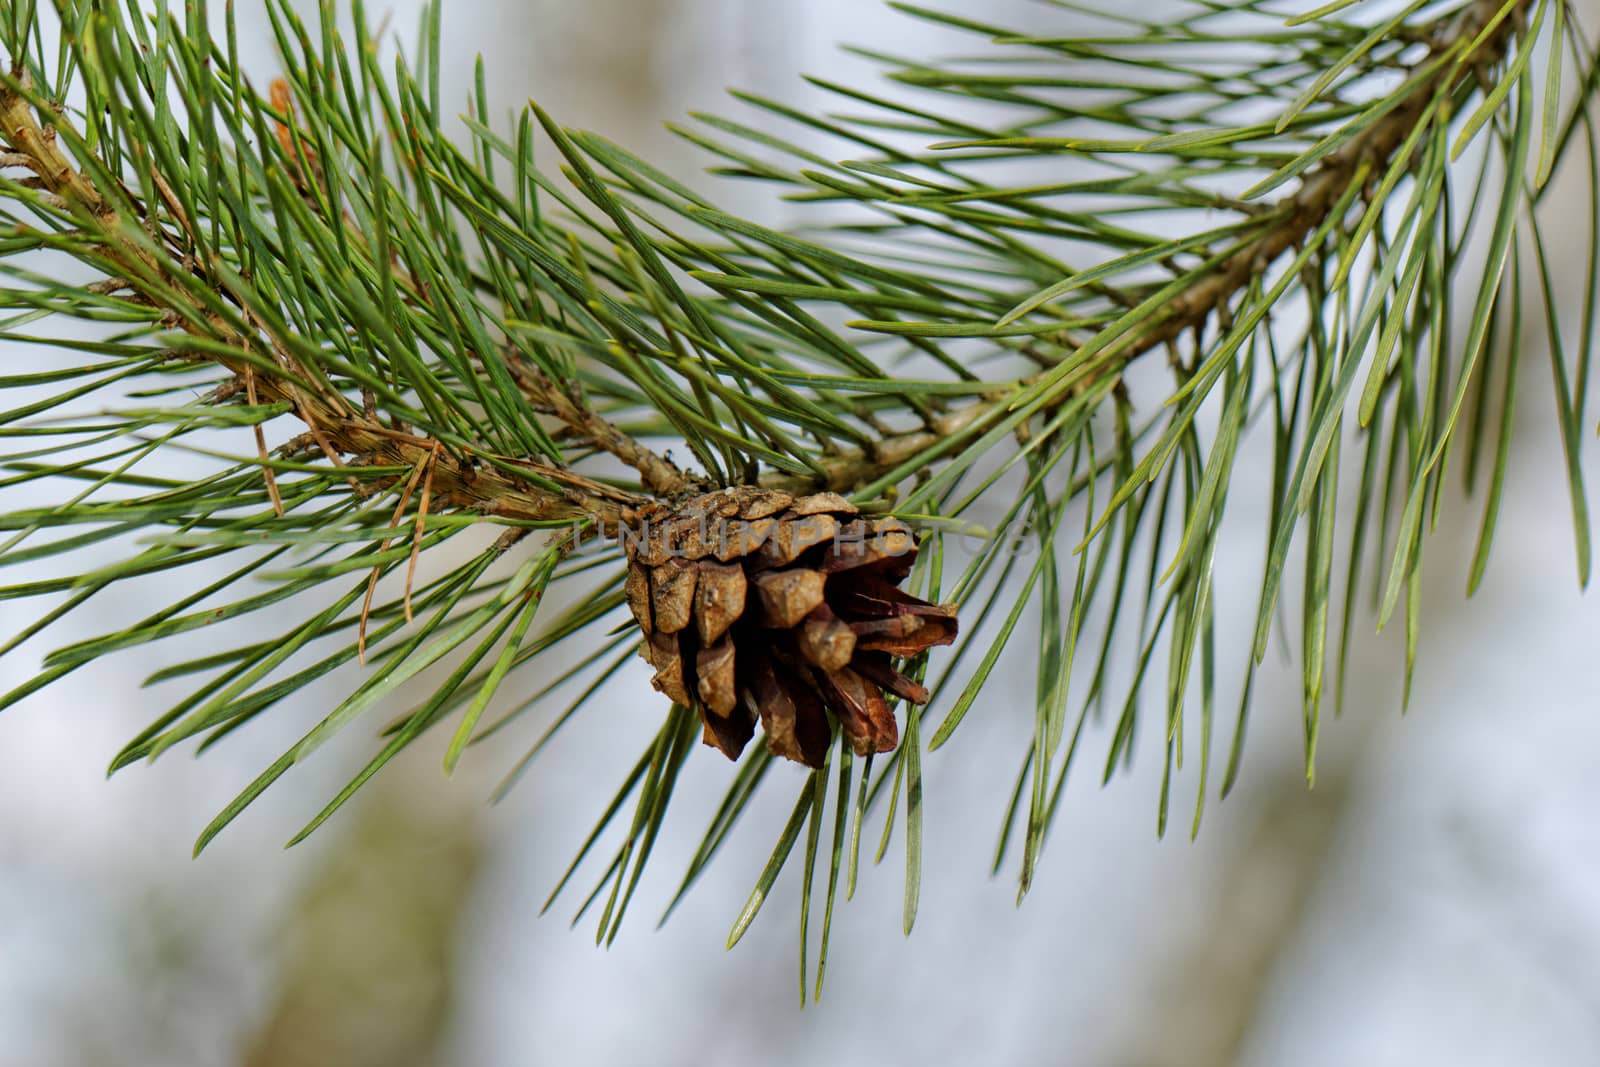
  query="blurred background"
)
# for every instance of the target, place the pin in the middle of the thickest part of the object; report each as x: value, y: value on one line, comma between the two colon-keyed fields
x: 1434, y: 899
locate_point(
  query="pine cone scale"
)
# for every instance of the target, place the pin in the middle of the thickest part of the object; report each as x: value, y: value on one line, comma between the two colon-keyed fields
x: 718, y: 600
x: 714, y: 669
x: 789, y: 596
x: 672, y: 596
x: 663, y: 653
x: 825, y: 641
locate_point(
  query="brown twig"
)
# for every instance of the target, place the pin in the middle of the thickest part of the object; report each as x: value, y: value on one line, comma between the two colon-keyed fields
x: 659, y: 475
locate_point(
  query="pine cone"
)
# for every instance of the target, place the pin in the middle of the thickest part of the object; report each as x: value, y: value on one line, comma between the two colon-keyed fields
x: 757, y: 605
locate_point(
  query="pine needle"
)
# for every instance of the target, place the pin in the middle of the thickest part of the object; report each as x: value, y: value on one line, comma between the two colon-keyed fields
x: 372, y: 580
x: 261, y: 446
x: 431, y: 464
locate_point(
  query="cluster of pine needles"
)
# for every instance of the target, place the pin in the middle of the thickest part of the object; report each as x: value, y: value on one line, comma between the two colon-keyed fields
x: 327, y: 349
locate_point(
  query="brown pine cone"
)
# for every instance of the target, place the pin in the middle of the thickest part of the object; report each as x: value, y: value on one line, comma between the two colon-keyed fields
x: 758, y: 605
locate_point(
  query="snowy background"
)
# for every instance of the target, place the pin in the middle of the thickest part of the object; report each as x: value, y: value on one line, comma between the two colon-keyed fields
x: 1435, y: 899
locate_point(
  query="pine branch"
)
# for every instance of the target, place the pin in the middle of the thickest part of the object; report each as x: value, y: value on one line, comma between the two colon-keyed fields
x: 475, y: 478
x: 1460, y: 53
x: 447, y: 336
